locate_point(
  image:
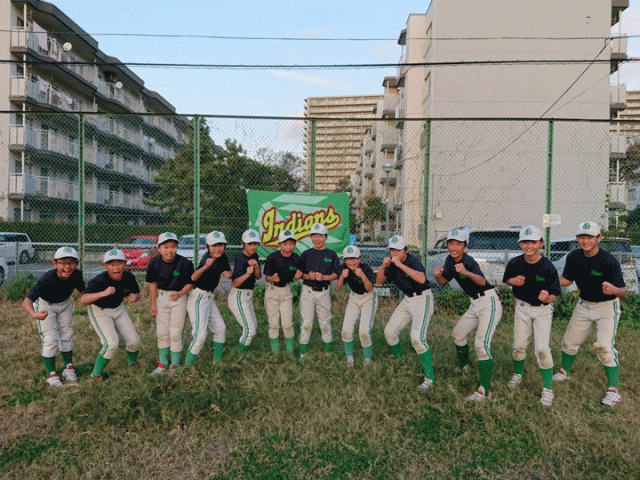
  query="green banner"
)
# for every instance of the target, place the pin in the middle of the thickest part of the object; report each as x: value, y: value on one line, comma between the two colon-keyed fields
x: 272, y: 212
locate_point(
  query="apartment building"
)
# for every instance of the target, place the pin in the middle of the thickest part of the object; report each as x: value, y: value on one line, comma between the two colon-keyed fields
x: 59, y: 72
x: 479, y: 169
x: 338, y: 139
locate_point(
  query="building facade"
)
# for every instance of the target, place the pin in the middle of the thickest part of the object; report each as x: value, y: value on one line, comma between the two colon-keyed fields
x: 58, y: 71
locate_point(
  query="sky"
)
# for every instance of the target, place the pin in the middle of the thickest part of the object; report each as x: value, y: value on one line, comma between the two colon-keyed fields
x: 265, y: 92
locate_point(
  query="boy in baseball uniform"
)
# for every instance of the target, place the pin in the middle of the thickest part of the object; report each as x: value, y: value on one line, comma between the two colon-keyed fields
x: 243, y: 278
x: 319, y: 266
x: 598, y: 276
x: 169, y: 279
x: 280, y: 269
x: 362, y: 303
x: 483, y: 314
x: 202, y: 307
x: 108, y: 317
x: 50, y: 304
x: 407, y: 272
x: 536, y: 285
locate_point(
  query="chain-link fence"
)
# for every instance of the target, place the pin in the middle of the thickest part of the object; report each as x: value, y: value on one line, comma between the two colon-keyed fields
x: 98, y: 180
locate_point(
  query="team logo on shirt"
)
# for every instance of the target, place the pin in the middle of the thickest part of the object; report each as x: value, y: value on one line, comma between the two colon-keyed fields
x: 461, y: 276
x: 292, y: 267
x: 595, y: 273
x: 539, y: 278
x: 126, y: 291
x: 175, y: 273
x: 328, y: 260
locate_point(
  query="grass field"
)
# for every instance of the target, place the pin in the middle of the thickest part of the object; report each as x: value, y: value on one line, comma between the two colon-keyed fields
x: 267, y: 416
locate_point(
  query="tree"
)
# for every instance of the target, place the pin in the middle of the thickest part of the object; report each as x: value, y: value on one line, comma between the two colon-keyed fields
x: 344, y: 185
x: 290, y: 163
x: 374, y: 210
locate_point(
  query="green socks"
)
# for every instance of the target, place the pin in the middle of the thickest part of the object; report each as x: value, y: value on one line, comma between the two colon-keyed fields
x: 217, y: 351
x: 612, y: 376
x: 348, y: 349
x: 396, y: 350
x: 566, y: 362
x: 164, y: 356
x: 99, y: 367
x: 485, y: 368
x: 243, y: 348
x: 132, y: 357
x: 49, y: 364
x: 275, y: 344
x: 175, y: 358
x: 463, y: 355
x: 427, y: 364
x: 67, y: 357
x: 190, y: 359
x: 367, y: 352
x: 547, y: 377
x: 328, y: 346
x: 303, y: 348
x: 289, y: 343
x: 518, y: 367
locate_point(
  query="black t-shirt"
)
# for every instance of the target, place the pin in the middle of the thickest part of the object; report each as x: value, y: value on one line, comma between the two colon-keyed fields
x: 356, y: 284
x: 170, y: 276
x: 211, y: 277
x: 51, y: 288
x: 402, y: 280
x: 467, y: 285
x: 240, y: 268
x: 538, y: 276
x: 590, y: 273
x: 285, y: 267
x: 124, y: 287
x: 324, y: 261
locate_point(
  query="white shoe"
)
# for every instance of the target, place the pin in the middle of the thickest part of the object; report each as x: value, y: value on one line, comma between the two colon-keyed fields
x: 426, y: 385
x: 515, y: 380
x: 302, y: 355
x: 611, y: 398
x: 161, y: 368
x: 547, y: 398
x: 54, y: 380
x: 464, y: 370
x: 560, y: 376
x: 69, y: 374
x: 367, y: 362
x: 350, y: 361
x: 478, y: 395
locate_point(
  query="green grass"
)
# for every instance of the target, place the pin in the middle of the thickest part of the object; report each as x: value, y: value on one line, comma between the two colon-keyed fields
x: 267, y: 416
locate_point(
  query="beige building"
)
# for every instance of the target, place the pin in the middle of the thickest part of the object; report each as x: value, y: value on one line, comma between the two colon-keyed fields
x: 338, y: 138
x: 39, y: 154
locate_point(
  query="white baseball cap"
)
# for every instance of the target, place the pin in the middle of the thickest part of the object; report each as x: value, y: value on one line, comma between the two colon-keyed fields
x: 215, y: 237
x: 319, y: 228
x: 457, y: 234
x: 250, y: 236
x: 166, y: 236
x: 286, y: 235
x: 351, y: 252
x: 66, y: 252
x: 397, y: 242
x: 530, y: 232
x: 113, y: 255
x: 589, y: 228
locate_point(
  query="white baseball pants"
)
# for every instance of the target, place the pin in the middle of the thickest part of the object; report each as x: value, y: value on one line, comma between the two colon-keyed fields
x: 278, y: 303
x: 416, y: 310
x: 204, y: 316
x: 361, y: 307
x: 310, y: 302
x: 241, y: 305
x: 170, y: 320
x: 108, y: 323
x: 56, y: 331
x: 483, y: 315
x: 537, y: 320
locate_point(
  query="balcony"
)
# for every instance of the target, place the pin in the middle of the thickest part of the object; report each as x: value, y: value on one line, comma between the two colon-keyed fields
x: 43, y: 140
x: 618, y: 52
x: 618, y: 146
x: 162, y: 124
x: 400, y: 114
x: 617, y: 6
x: 45, y: 93
x: 617, y: 98
x: 390, y: 139
x: 367, y: 145
x: 111, y: 91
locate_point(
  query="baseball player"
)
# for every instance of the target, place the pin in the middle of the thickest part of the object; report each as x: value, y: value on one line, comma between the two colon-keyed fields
x: 169, y: 279
x: 243, y: 278
x: 598, y: 275
x: 319, y: 267
x: 108, y: 317
x: 483, y: 314
x: 280, y: 269
x: 202, y: 307
x: 536, y: 286
x: 408, y: 274
x: 53, y: 312
x: 362, y: 303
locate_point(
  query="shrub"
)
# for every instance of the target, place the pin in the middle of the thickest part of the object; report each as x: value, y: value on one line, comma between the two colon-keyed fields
x: 17, y: 288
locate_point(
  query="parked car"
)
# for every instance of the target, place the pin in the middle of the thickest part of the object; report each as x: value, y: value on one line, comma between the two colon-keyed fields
x: 618, y: 247
x: 636, y: 257
x: 4, y: 270
x: 139, y: 249
x: 185, y: 246
x: 16, y: 247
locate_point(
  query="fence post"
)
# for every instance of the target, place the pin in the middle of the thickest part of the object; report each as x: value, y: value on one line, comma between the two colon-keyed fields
x: 547, y: 230
x: 196, y: 190
x: 427, y: 189
x: 312, y: 158
x: 81, y: 182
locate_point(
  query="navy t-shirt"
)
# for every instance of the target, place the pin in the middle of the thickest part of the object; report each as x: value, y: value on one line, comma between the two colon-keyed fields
x: 124, y: 287
x: 51, y: 288
x: 324, y: 261
x: 170, y: 276
x: 402, y: 280
x: 211, y: 277
x: 538, y: 276
x: 240, y: 268
x: 285, y: 267
x: 467, y: 285
x: 356, y: 284
x: 590, y: 273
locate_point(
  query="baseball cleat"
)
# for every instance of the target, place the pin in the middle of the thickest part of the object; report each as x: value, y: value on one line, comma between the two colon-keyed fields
x: 97, y: 379
x: 173, y: 369
x: 478, y: 395
x: 161, y: 368
x: 54, y: 380
x: 611, y: 398
x: 350, y: 361
x: 69, y: 374
x: 426, y: 385
x: 561, y: 376
x: 547, y: 397
x: 515, y: 380
x: 134, y: 366
x: 367, y: 362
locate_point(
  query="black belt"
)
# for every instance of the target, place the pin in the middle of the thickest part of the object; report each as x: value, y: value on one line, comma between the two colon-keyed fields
x: 480, y: 294
x: 318, y: 289
x: 415, y: 294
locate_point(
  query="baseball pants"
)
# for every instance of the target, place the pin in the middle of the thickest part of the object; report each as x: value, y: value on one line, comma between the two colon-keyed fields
x: 416, y: 310
x: 537, y: 320
x: 241, y: 305
x: 483, y: 315
x: 56, y: 331
x: 278, y: 302
x: 205, y: 316
x: 605, y: 315
x: 310, y: 302
x: 170, y: 320
x: 361, y: 307
x: 108, y: 323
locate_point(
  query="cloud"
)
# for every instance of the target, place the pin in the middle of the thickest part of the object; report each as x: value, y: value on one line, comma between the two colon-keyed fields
x: 385, y: 49
x: 337, y: 83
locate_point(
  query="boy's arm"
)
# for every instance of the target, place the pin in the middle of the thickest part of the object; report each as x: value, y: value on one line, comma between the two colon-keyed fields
x: 415, y: 275
x: 341, y: 279
x: 437, y: 273
x: 153, y: 296
x: 564, y: 282
x: 380, y: 276
x: 88, y: 298
x: 610, y: 289
x: 27, y: 306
